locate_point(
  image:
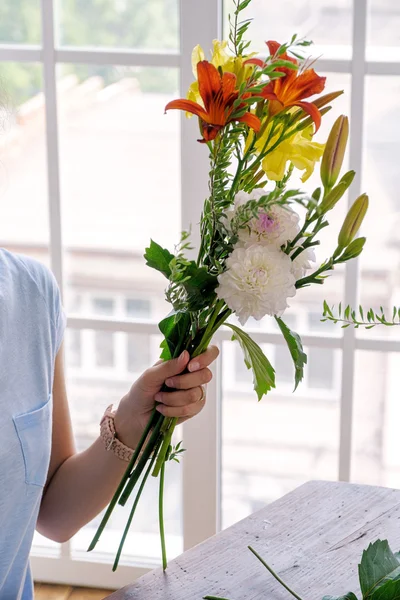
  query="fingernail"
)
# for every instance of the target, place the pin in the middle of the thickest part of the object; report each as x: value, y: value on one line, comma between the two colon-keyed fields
x: 181, y: 357
x: 160, y: 408
x: 157, y: 397
x: 169, y: 383
x: 194, y: 366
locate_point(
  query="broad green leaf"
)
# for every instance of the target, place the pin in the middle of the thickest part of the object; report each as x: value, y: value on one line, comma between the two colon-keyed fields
x: 158, y: 258
x: 295, y: 346
x: 388, y: 591
x: 378, y: 565
x: 199, y: 285
x: 175, y: 329
x: 255, y: 359
x: 348, y: 596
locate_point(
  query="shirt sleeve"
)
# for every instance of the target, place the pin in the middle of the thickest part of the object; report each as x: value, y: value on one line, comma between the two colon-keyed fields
x: 58, y: 313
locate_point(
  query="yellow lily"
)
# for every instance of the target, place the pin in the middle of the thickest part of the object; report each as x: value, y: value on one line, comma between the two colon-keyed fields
x: 299, y: 149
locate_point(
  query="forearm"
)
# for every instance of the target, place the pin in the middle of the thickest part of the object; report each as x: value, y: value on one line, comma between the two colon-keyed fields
x: 82, y: 486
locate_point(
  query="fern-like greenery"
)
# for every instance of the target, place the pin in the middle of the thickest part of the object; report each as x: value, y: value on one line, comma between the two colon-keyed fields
x: 361, y: 318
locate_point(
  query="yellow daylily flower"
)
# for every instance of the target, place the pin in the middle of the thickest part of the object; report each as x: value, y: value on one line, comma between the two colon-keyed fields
x: 299, y: 149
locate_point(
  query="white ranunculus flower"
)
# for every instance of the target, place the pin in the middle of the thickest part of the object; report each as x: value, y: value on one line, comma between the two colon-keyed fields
x: 273, y: 227
x: 257, y: 282
x: 302, y: 263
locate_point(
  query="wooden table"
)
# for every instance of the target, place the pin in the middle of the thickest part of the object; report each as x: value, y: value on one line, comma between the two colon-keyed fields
x: 313, y: 538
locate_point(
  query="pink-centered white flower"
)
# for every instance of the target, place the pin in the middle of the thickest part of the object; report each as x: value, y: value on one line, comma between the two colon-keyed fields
x: 273, y: 226
x: 257, y: 282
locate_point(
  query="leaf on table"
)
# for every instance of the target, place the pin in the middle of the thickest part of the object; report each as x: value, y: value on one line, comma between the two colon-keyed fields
x: 159, y: 258
x: 295, y: 346
x: 388, y: 591
x: 348, y: 596
x: 255, y: 359
x: 378, y: 566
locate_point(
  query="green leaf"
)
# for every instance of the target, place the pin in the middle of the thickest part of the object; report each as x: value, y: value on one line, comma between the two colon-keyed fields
x: 378, y: 565
x: 255, y: 359
x: 295, y: 346
x: 175, y: 331
x: 158, y: 258
x: 388, y: 591
x: 348, y: 596
x: 199, y: 285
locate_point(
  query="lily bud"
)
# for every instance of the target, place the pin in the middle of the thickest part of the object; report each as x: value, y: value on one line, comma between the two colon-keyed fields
x: 333, y: 197
x: 327, y: 99
x: 353, y: 220
x: 335, y: 149
x: 354, y: 249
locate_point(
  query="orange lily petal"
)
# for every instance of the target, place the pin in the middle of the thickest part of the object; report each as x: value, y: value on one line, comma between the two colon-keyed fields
x: 228, y: 85
x: 255, y: 61
x: 188, y: 106
x: 251, y: 120
x: 209, y: 82
x: 273, y: 47
x: 311, y: 110
x: 307, y: 84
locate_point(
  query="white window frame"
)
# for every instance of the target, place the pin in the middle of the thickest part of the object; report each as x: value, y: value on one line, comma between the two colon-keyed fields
x: 200, y: 23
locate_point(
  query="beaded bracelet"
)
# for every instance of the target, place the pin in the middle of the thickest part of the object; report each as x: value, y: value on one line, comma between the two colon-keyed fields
x: 109, y: 436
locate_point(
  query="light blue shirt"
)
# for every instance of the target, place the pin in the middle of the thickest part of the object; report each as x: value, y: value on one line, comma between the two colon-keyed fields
x: 32, y: 324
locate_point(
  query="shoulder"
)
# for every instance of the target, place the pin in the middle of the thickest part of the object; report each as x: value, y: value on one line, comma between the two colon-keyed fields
x: 32, y: 275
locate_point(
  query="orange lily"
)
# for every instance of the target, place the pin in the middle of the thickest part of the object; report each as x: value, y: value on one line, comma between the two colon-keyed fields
x: 291, y: 89
x: 219, y: 94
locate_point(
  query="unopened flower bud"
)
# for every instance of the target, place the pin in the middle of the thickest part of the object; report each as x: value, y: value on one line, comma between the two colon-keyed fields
x: 335, y: 194
x: 353, y: 220
x: 335, y: 149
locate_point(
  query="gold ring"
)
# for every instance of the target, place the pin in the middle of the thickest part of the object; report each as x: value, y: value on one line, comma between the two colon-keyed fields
x: 203, y: 393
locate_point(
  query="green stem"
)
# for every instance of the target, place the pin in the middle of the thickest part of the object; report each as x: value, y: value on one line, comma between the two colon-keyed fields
x: 150, y: 446
x: 312, y: 278
x: 262, y: 561
x: 214, y: 598
x: 164, y: 448
x: 136, y: 502
x: 123, y: 481
x: 161, y: 517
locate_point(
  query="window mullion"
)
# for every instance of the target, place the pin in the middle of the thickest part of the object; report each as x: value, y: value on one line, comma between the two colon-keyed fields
x: 200, y: 24
x: 53, y: 170
x: 360, y: 10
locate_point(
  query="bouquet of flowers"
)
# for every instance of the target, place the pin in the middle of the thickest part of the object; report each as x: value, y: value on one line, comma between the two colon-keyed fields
x: 258, y: 124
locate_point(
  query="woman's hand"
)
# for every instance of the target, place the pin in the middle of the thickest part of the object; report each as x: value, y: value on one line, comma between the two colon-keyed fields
x: 185, y: 401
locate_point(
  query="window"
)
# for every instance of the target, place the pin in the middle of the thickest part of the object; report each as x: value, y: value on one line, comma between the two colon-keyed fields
x: 81, y: 132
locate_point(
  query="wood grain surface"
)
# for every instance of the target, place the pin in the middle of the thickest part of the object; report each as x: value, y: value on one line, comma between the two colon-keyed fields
x: 313, y: 538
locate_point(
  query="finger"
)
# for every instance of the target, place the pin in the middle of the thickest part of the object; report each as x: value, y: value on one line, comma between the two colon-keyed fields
x: 175, y: 399
x: 182, y: 412
x: 157, y: 374
x: 189, y: 380
x: 204, y: 360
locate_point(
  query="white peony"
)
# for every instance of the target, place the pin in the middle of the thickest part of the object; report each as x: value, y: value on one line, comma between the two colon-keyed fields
x: 273, y: 227
x: 302, y: 263
x: 258, y: 281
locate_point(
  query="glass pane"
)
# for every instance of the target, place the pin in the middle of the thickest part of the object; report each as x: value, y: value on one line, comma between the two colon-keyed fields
x: 271, y: 447
x: 91, y: 390
x: 146, y: 24
x: 20, y: 21
x: 376, y: 442
x: 326, y: 22
x: 380, y: 260
x: 384, y: 24
x: 23, y: 180
x: 120, y: 181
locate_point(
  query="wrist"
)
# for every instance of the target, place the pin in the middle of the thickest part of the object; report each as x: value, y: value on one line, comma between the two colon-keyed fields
x: 112, y: 440
x: 127, y: 427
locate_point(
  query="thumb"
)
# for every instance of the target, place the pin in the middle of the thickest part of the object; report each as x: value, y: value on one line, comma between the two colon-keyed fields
x: 161, y: 371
